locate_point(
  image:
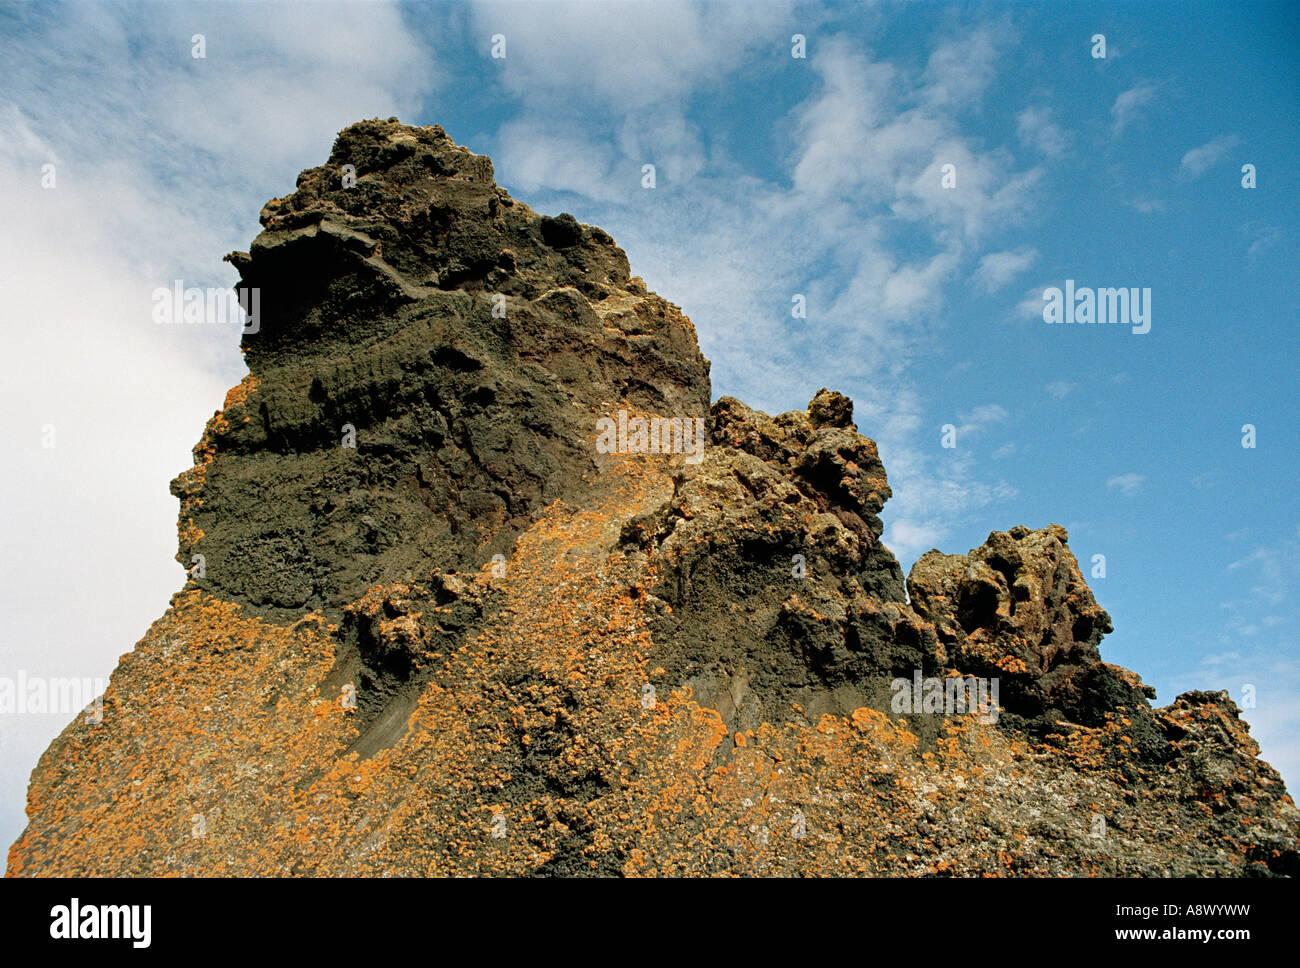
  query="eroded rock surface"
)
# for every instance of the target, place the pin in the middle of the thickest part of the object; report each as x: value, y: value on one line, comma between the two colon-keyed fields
x: 465, y: 343
x: 478, y: 643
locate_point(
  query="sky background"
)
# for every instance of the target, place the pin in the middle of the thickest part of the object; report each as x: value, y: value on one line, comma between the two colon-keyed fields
x: 775, y: 176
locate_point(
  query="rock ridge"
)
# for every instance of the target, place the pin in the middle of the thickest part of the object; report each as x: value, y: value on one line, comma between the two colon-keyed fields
x: 431, y: 625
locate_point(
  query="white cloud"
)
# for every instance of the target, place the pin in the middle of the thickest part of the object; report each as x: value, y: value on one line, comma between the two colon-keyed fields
x: 979, y: 419
x: 998, y: 268
x: 1265, y: 237
x: 912, y: 289
x: 1128, y: 484
x: 1060, y: 389
x: 1036, y: 128
x: 531, y: 157
x: 839, y: 145
x: 1128, y: 106
x: 854, y: 140
x: 1258, y: 555
x: 625, y: 56
x: 933, y: 490
x: 1031, y: 303
x: 1221, y: 658
x: 1258, y: 638
x: 960, y: 70
x: 1145, y: 206
x: 1262, y: 671
x: 162, y: 163
x: 662, y: 137
x: 1198, y: 161
x: 910, y: 539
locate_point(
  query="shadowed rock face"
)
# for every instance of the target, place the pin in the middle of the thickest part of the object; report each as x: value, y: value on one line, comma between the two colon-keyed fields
x: 1015, y: 607
x: 467, y: 345
x: 478, y: 643
x: 776, y: 586
x: 1018, y: 608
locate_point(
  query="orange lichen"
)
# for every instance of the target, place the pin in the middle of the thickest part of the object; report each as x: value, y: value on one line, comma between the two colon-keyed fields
x: 530, y: 748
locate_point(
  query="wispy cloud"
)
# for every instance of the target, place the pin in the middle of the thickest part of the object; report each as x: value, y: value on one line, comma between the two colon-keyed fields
x: 980, y: 419
x: 998, y: 268
x: 642, y: 53
x: 1146, y: 206
x: 939, y: 490
x: 1198, y: 161
x: 1036, y: 129
x: 1128, y: 484
x: 1263, y: 238
x: 855, y: 139
x: 1258, y: 663
x: 1031, y: 303
x: 961, y: 69
x: 1128, y: 106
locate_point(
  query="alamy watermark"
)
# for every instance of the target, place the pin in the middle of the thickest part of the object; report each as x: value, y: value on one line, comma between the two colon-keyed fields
x: 1127, y: 307
x: 23, y: 695
x: 951, y: 695
x: 214, y: 305
x: 75, y: 921
x: 656, y: 435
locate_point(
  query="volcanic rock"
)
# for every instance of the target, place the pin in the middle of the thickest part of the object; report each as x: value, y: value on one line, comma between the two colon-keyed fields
x: 431, y: 628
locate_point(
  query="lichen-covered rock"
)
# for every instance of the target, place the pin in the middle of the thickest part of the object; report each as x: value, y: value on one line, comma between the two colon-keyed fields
x: 479, y: 643
x: 768, y: 559
x: 1018, y: 607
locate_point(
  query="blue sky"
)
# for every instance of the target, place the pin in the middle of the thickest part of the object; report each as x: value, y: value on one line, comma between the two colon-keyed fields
x: 774, y: 176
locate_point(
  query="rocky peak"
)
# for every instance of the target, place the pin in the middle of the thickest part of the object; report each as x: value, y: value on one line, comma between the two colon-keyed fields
x: 439, y: 621
x: 426, y: 375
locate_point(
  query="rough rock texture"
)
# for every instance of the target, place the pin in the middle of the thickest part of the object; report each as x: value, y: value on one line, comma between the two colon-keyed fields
x: 466, y: 342
x: 477, y: 643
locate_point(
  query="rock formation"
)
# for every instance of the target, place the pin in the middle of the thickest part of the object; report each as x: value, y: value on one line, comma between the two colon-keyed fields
x: 437, y: 630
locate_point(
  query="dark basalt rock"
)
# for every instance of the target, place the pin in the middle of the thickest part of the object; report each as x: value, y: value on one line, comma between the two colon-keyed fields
x: 468, y: 344
x: 778, y: 586
x: 475, y: 643
x: 1019, y: 608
